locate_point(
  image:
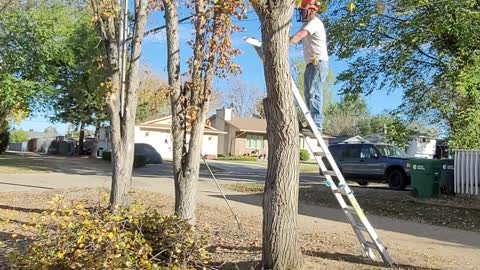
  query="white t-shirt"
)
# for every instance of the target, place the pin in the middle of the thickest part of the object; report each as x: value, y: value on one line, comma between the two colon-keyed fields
x: 315, y: 44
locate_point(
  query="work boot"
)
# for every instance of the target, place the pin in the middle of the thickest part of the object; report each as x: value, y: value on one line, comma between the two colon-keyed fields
x: 307, y: 132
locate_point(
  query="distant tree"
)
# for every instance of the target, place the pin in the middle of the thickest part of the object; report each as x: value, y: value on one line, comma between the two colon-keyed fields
x: 259, y: 108
x: 398, y: 133
x: 463, y: 113
x: 152, y: 96
x: 33, y: 52
x: 6, y: 5
x: 242, y: 98
x: 349, y: 117
x: 80, y: 95
x: 216, y: 100
x: 50, y: 129
x: 18, y: 136
x: 428, y: 49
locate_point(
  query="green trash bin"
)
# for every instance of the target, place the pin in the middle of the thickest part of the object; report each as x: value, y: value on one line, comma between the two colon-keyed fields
x: 446, y: 177
x: 425, y: 174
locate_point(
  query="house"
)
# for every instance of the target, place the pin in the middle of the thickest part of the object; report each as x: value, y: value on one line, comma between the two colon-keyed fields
x: 247, y: 135
x: 157, y: 134
x: 422, y: 146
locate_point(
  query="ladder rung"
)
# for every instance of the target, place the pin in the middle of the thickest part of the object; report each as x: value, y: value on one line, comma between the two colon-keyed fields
x: 370, y: 245
x: 341, y: 191
x: 319, y: 154
x: 360, y: 227
x: 350, y: 209
x: 331, y: 173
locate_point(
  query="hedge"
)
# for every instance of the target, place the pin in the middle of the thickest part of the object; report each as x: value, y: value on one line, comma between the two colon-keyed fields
x: 241, y: 158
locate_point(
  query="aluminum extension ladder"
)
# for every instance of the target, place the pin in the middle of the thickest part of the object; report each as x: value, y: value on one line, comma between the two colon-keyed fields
x: 360, y: 224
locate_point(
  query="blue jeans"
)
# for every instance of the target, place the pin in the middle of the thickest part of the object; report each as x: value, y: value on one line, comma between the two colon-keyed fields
x: 314, y: 80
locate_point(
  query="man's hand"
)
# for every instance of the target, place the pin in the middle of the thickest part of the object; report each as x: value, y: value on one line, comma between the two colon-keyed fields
x: 298, y: 36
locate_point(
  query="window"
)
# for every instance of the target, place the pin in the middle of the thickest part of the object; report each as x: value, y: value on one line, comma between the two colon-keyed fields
x: 352, y: 151
x: 254, y: 142
x: 391, y: 151
x: 368, y: 151
x: 336, y: 150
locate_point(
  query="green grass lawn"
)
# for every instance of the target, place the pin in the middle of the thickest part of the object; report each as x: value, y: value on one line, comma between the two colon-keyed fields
x: 309, y: 167
x: 18, y: 163
x: 305, y: 166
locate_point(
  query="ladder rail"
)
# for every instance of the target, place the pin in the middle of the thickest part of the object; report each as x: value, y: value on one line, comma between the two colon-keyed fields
x: 340, y: 177
x: 367, y: 250
x: 366, y: 246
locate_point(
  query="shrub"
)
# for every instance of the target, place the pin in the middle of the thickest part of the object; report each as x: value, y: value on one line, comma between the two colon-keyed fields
x: 241, y: 158
x: 134, y: 238
x: 107, y: 155
x: 138, y: 160
x: 304, y: 155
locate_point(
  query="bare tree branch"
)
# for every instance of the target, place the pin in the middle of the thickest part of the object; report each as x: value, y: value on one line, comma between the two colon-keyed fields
x: 5, y: 6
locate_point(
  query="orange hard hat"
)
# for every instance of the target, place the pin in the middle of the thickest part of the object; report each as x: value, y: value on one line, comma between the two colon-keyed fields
x: 309, y: 4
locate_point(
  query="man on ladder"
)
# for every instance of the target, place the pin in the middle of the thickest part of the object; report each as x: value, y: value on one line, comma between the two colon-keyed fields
x: 314, y: 39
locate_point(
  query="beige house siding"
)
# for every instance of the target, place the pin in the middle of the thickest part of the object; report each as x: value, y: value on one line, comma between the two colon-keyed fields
x: 234, y: 142
x: 241, y: 147
x: 230, y: 140
x: 157, y: 133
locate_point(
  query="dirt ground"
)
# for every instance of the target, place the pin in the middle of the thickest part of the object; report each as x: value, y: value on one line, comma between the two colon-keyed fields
x: 230, y: 247
x: 328, y: 241
x: 453, y: 212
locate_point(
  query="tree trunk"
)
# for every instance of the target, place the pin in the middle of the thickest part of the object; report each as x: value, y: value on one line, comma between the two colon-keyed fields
x: 95, y: 142
x: 122, y: 120
x: 281, y: 249
x: 3, y: 118
x: 192, y: 96
x: 81, y: 138
x: 125, y: 151
x: 188, y: 180
x: 177, y: 105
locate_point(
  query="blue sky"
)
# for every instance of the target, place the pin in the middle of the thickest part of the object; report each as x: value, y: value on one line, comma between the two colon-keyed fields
x: 155, y: 52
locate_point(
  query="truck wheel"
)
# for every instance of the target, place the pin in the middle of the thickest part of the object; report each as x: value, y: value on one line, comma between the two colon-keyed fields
x: 397, y: 180
x: 99, y: 153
